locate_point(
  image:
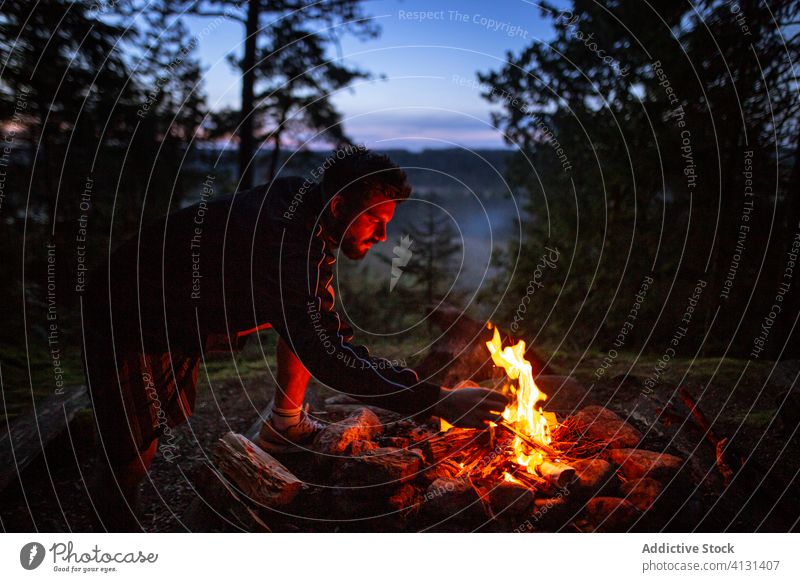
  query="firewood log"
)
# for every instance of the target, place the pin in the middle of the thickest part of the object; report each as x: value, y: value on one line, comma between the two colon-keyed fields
x: 256, y: 473
x: 335, y: 440
x: 558, y: 474
x: 382, y: 466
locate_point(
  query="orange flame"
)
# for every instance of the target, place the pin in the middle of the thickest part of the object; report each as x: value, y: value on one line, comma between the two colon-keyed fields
x: 525, y: 412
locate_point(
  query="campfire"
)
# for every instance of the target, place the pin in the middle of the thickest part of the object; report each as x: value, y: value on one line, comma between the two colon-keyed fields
x: 526, y: 456
x: 573, y: 466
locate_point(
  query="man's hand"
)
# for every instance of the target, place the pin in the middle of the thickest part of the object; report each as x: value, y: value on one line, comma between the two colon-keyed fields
x: 470, y: 407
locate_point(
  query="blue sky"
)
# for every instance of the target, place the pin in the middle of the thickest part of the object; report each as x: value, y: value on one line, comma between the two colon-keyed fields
x: 421, y: 103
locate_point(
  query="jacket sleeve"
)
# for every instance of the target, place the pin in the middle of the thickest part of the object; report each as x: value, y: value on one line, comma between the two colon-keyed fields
x: 308, y: 322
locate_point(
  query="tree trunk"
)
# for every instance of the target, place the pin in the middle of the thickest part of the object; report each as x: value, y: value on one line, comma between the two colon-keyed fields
x: 246, y: 126
x: 276, y: 154
x: 785, y: 336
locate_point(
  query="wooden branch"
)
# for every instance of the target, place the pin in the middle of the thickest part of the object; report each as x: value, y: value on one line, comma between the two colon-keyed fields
x: 723, y: 459
x: 257, y: 474
x: 216, y: 14
x: 29, y: 435
x: 444, y: 445
x: 557, y: 474
x: 219, y: 505
x: 698, y: 416
x: 362, y: 424
x: 527, y: 440
x: 722, y: 462
x: 381, y: 466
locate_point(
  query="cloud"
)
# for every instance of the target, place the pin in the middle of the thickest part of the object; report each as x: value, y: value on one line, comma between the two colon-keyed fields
x: 423, y: 129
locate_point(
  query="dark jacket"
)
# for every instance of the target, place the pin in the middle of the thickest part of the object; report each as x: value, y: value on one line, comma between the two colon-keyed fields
x: 233, y: 263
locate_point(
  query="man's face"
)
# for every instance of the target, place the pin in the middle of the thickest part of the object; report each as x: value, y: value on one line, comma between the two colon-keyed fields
x: 366, y: 226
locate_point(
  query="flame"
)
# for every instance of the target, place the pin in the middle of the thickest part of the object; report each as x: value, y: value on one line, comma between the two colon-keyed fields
x: 525, y: 413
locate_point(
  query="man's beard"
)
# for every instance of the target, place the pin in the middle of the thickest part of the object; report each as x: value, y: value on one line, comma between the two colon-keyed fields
x: 354, y: 251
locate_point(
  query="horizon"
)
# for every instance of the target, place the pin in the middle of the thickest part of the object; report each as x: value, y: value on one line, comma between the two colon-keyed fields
x: 419, y: 105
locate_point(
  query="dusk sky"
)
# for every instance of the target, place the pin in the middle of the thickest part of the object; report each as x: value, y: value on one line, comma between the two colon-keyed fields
x: 421, y: 103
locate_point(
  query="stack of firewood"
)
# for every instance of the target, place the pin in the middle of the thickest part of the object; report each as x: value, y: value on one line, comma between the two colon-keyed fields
x: 370, y: 470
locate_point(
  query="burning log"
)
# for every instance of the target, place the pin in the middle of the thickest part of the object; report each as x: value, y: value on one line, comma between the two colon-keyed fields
x: 336, y: 438
x: 445, y: 469
x: 256, y: 473
x: 445, y: 445
x: 511, y: 498
x: 527, y: 440
x: 557, y: 474
x: 453, y: 501
x: 381, y: 466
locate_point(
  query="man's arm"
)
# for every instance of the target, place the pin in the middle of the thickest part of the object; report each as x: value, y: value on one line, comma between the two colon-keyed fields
x: 303, y: 315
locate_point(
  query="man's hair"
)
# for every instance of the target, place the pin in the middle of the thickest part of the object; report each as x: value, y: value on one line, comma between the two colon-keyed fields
x: 356, y: 174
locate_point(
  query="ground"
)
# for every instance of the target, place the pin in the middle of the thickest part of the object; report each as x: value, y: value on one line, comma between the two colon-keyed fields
x: 742, y: 399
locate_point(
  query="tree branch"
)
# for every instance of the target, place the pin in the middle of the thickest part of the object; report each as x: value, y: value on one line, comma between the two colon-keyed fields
x: 215, y: 14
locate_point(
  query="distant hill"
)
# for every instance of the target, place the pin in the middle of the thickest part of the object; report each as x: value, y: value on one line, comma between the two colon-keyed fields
x: 444, y: 171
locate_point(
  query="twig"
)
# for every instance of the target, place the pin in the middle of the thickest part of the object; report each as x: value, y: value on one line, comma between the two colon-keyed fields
x: 527, y: 440
x: 720, y: 445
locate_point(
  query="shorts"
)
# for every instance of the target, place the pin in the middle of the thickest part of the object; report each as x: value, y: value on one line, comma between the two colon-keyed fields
x: 138, y: 397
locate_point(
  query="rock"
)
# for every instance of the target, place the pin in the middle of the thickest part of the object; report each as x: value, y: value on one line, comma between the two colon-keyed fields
x: 444, y: 469
x: 418, y: 434
x: 602, y: 424
x: 406, y: 497
x: 638, y: 463
x: 335, y: 439
x: 611, y: 514
x: 460, y: 351
x: 341, y: 399
x: 592, y: 474
x: 510, y: 499
x: 549, y: 513
x: 358, y: 448
x: 641, y: 492
x: 564, y: 394
x: 452, y: 499
x: 381, y: 466
x: 398, y: 442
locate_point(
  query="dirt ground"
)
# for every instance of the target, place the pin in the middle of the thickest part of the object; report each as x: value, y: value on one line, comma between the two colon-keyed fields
x: 54, y: 498
x: 53, y: 495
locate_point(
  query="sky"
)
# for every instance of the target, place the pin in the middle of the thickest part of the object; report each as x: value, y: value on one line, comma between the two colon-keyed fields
x: 428, y: 52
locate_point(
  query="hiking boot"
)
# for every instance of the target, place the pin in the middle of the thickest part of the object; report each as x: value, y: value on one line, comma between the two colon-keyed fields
x: 293, y: 439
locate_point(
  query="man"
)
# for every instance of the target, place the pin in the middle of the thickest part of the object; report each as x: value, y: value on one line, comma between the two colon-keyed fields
x: 209, y: 275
